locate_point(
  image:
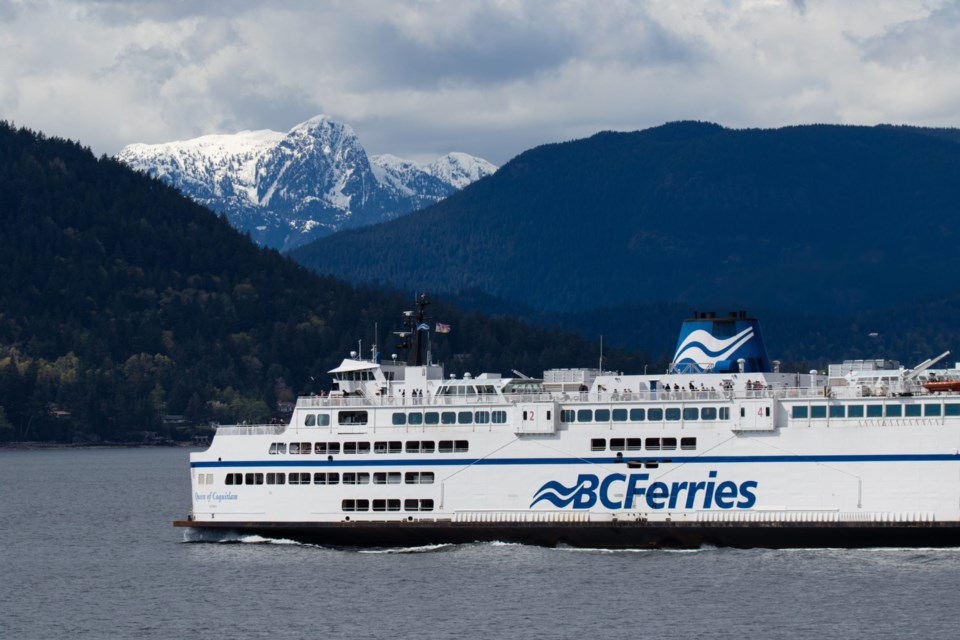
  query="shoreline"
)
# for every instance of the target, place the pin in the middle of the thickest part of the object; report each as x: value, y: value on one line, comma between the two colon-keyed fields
x: 40, y: 445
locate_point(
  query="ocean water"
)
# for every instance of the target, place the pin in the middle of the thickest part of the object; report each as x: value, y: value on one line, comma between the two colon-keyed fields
x: 88, y: 551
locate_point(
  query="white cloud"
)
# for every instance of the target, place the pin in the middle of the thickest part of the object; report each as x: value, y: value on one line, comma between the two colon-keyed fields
x: 418, y: 79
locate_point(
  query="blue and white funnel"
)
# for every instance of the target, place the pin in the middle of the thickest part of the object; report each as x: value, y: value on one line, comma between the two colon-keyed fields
x: 709, y: 343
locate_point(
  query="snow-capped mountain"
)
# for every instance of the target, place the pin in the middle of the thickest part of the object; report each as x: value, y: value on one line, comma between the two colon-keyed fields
x: 287, y: 189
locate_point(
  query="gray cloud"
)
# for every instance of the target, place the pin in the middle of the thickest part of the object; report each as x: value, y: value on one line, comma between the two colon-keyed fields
x: 933, y: 38
x: 419, y: 78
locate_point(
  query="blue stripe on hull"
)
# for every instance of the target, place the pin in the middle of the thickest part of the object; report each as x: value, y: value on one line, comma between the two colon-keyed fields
x: 920, y: 457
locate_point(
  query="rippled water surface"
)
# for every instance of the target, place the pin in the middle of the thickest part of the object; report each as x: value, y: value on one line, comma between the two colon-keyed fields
x: 89, y: 551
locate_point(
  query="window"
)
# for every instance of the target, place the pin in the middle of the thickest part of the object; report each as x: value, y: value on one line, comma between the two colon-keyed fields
x: 798, y: 412
x: 634, y: 444
x: 482, y: 417
x: 855, y: 411
x: 355, y: 505
x: 350, y: 448
x: 351, y: 477
x: 323, y: 420
x: 415, y: 418
x: 418, y: 477
x: 724, y: 413
x: 432, y: 417
x: 413, y: 446
x: 708, y: 413
x: 949, y: 409
x: 638, y: 415
x: 277, y: 447
x: 602, y: 415
x: 386, y: 505
x: 838, y: 411
x: 461, y: 446
x: 352, y: 417
x: 427, y: 446
x: 294, y: 447
x: 931, y: 410
x: 326, y: 478
x: 912, y: 410
x: 299, y: 478
x: 234, y: 478
x: 254, y: 478
x: 385, y: 477
x: 446, y: 446
x: 619, y: 415
x: 465, y: 417
x: 617, y: 444
x: 818, y: 411
x: 310, y: 420
x: 874, y: 410
x: 655, y: 415
x: 668, y: 444
x: 688, y: 444
x: 567, y: 415
x: 276, y: 478
x: 448, y: 417
x: 896, y: 410
x: 653, y: 444
x: 673, y: 414
x: 412, y: 504
x: 379, y: 447
x: 691, y: 413
x: 585, y: 415
x: 499, y: 417
x: 399, y: 419
x: 598, y: 444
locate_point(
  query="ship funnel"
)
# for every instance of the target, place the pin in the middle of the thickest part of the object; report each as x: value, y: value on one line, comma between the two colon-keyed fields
x: 721, y: 345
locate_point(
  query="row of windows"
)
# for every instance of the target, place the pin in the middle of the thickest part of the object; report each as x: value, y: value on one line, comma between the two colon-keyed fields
x: 637, y: 444
x: 874, y: 410
x: 359, y: 448
x: 467, y: 390
x: 449, y: 417
x: 412, y: 418
x: 645, y: 415
x: 350, y: 477
x: 343, y: 417
x: 391, y: 504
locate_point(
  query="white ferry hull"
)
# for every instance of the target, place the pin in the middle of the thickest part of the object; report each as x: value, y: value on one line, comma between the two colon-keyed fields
x: 679, y: 460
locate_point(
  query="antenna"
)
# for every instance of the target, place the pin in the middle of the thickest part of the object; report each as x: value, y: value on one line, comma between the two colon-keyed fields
x: 601, y: 354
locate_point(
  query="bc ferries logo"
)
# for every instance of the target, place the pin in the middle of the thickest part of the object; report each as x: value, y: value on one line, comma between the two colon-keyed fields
x: 702, y: 348
x: 589, y: 488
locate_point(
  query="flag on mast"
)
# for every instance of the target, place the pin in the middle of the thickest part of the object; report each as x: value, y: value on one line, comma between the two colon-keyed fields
x: 443, y: 328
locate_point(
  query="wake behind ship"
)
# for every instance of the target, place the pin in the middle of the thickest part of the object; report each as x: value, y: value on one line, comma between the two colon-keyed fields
x: 723, y: 449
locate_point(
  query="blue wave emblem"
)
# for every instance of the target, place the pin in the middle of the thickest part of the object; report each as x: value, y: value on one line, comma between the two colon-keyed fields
x: 703, y: 349
x: 557, y: 494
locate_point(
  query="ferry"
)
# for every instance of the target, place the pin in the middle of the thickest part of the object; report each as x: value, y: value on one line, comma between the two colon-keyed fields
x: 722, y: 449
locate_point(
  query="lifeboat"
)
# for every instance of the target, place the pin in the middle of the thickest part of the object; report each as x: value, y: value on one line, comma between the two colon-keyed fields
x: 936, y: 386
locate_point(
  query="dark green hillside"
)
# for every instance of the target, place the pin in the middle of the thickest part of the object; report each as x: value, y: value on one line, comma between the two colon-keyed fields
x: 802, y: 218
x: 122, y: 302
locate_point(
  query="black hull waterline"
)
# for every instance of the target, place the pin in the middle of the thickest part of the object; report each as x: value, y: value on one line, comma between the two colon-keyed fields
x: 606, y: 535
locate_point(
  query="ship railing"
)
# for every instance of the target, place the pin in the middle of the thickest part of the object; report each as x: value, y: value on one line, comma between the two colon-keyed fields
x: 251, y: 430
x: 395, y: 401
x: 612, y: 397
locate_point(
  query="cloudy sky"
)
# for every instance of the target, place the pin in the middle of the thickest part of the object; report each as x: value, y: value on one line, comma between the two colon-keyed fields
x: 419, y: 78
